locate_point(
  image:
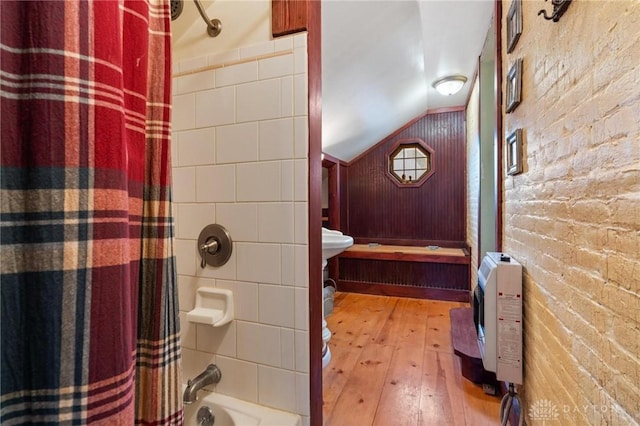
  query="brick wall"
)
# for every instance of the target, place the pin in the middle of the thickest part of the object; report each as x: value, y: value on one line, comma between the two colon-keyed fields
x: 573, y: 216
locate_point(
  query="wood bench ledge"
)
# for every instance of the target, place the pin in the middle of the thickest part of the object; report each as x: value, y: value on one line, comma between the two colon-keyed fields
x: 408, y: 254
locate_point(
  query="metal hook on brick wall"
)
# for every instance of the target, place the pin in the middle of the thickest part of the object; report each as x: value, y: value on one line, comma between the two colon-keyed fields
x: 559, y: 7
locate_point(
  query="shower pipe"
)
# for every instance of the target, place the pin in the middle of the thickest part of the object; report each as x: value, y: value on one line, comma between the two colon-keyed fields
x: 214, y: 26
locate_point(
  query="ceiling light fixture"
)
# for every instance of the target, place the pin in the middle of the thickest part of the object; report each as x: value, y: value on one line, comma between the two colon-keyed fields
x: 450, y: 85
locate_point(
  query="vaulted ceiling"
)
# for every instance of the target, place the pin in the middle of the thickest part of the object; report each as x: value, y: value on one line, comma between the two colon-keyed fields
x: 380, y: 58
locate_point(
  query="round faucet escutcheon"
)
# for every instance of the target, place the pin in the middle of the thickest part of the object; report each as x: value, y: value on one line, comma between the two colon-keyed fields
x: 206, y: 416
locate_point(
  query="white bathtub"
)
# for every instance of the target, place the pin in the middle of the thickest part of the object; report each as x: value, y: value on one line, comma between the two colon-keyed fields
x: 230, y: 411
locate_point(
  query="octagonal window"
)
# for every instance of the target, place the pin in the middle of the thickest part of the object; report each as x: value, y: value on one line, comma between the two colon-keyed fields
x: 410, y: 163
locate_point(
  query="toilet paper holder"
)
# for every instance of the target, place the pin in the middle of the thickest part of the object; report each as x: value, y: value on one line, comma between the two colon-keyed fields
x: 214, y: 245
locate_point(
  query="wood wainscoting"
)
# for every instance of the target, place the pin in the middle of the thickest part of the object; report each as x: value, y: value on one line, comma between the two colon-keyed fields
x: 406, y: 271
x: 379, y: 209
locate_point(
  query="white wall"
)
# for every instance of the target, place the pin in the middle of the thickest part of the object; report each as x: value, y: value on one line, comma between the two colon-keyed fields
x: 325, y: 188
x: 240, y: 144
x: 473, y: 176
x: 244, y: 23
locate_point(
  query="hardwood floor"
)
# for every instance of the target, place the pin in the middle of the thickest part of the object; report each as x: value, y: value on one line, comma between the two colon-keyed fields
x: 392, y: 364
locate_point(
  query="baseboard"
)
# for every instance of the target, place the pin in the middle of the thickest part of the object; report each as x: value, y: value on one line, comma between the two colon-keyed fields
x: 404, y: 291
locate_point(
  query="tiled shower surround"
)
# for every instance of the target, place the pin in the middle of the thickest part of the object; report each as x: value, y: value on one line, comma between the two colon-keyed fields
x: 240, y: 144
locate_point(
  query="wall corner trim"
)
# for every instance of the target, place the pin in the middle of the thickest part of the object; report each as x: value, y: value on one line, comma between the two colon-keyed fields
x: 288, y: 17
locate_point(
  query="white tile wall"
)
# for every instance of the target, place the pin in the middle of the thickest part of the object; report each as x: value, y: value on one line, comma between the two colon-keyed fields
x: 301, y: 266
x: 215, y: 107
x: 237, y: 143
x: 287, y: 179
x: 302, y: 401
x: 175, y: 140
x: 197, y: 147
x: 240, y: 159
x: 185, y: 257
x: 301, y: 219
x: 216, y: 183
x: 301, y: 351
x: 184, y: 185
x: 217, y: 340
x: 243, y: 378
x: 193, y: 362
x: 259, y: 262
x: 259, y: 100
x: 183, y: 113
x: 301, y: 319
x: 195, y: 82
x: 192, y: 64
x: 301, y: 137
x: 275, y: 222
x: 276, y: 305
x: 257, y: 50
x: 287, y: 348
x: 276, y: 139
x: 288, y: 264
x: 223, y: 57
x: 240, y: 219
x: 259, y: 181
x: 187, y: 332
x: 194, y: 217
x: 259, y: 343
x: 288, y: 97
x: 225, y: 272
x: 300, y: 173
x: 300, y: 60
x: 277, y: 387
x: 236, y: 74
x: 300, y: 97
x: 284, y: 43
x: 278, y: 66
x: 245, y: 298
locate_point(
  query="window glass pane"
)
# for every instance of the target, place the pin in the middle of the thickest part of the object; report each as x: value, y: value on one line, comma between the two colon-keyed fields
x: 409, y: 163
x: 410, y: 160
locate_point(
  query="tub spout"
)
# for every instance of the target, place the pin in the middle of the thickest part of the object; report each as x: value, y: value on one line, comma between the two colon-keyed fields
x: 210, y: 376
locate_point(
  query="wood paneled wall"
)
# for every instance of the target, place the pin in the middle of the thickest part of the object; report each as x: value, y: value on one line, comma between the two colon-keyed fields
x: 379, y: 210
x: 289, y: 16
x: 444, y: 276
x: 343, y: 196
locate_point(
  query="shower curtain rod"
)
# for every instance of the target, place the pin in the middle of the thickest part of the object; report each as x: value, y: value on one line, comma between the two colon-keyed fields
x: 214, y: 26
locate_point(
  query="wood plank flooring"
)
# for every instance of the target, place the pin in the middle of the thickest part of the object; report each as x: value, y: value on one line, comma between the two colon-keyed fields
x: 393, y: 364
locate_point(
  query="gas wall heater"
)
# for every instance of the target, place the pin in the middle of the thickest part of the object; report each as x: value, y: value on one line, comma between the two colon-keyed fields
x: 497, y: 313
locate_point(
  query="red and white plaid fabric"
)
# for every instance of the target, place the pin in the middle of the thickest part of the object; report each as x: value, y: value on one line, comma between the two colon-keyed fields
x: 89, y: 325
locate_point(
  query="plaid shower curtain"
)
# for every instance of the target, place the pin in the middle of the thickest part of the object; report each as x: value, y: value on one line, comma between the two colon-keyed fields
x: 88, y: 304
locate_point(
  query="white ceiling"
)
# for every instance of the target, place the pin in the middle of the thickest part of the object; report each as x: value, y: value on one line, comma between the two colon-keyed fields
x: 379, y: 59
